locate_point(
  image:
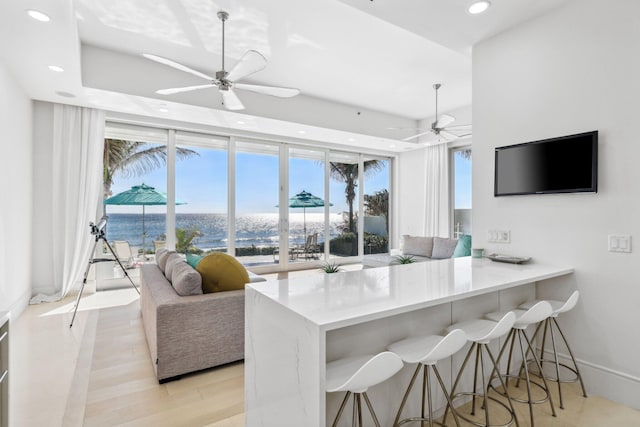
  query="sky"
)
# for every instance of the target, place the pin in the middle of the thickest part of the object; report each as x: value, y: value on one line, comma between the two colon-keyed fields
x: 462, y: 185
x: 201, y: 182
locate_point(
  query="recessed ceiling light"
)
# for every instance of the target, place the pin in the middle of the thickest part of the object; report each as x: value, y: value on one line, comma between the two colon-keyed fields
x: 301, y: 132
x: 240, y: 122
x: 163, y: 110
x: 392, y: 146
x: 479, y: 7
x: 38, y: 16
x: 351, y: 140
x: 56, y: 68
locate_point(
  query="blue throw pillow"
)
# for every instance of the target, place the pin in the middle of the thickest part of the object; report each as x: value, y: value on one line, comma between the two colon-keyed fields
x: 193, y: 260
x: 463, y: 248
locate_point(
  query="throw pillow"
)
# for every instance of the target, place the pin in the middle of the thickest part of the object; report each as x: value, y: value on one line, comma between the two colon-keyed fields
x: 463, y: 248
x: 193, y: 260
x: 162, y: 257
x: 417, y: 245
x: 443, y: 248
x: 171, y: 262
x: 221, y: 272
x: 186, y: 280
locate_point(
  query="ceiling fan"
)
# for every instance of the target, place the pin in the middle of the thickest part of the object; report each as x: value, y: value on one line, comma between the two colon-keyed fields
x: 226, y: 81
x: 440, y: 129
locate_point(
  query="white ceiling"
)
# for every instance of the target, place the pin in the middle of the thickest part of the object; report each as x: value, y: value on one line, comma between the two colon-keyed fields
x: 372, y: 54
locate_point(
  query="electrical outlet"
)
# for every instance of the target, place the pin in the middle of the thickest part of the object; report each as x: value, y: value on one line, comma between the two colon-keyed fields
x: 499, y: 236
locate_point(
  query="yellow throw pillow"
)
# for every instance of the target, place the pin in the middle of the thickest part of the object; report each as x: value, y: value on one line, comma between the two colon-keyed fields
x: 221, y: 272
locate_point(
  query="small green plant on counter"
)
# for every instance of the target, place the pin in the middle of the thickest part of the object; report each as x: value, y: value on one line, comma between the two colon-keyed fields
x: 330, y: 267
x: 403, y: 259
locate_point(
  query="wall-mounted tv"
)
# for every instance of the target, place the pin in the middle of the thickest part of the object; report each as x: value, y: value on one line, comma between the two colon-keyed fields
x: 567, y: 164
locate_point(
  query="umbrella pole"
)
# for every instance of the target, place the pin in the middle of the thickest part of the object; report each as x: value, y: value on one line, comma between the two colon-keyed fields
x: 144, y: 233
x: 304, y: 224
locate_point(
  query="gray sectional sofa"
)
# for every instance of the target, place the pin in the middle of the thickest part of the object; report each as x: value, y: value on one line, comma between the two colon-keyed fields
x: 421, y: 248
x: 190, y: 333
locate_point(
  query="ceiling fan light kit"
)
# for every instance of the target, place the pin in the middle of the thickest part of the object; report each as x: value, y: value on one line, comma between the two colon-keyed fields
x: 226, y: 81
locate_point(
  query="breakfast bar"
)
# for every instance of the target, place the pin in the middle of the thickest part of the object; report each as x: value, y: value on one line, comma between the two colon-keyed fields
x: 293, y: 327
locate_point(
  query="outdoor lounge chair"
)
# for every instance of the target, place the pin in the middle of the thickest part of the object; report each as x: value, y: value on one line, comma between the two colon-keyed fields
x: 310, y: 250
x: 157, y: 244
x: 124, y: 253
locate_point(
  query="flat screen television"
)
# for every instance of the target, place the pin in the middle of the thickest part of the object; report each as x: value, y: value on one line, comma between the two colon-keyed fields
x: 566, y: 164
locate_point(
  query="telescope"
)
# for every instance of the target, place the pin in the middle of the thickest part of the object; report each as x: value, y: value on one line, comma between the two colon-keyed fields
x: 98, y: 230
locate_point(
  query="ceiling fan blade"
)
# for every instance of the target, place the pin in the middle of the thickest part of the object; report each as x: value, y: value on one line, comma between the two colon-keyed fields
x: 448, y: 135
x: 281, y: 92
x: 177, y: 66
x: 459, y: 127
x: 445, y: 120
x: 417, y: 135
x: 183, y: 89
x: 231, y: 100
x: 251, y: 62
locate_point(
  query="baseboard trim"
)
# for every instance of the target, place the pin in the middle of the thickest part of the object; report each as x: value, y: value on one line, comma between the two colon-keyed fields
x: 20, y: 305
x: 599, y: 380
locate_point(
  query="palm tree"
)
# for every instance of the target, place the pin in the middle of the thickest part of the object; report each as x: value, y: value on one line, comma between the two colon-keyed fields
x: 348, y: 173
x: 134, y: 158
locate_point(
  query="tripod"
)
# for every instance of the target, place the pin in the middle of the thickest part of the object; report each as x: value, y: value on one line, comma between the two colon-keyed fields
x: 98, y: 232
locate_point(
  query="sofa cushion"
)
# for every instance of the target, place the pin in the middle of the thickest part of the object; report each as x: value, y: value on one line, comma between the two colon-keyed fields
x: 463, y: 248
x: 417, y: 245
x: 443, y: 248
x: 221, y: 272
x: 172, y: 259
x: 193, y: 260
x: 186, y: 280
x: 161, y: 258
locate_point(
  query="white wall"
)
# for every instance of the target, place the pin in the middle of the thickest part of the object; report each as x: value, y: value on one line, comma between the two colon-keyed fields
x: 42, y: 200
x: 16, y: 147
x: 571, y: 71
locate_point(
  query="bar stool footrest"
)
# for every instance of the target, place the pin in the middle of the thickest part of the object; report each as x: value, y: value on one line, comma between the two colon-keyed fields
x: 421, y: 420
x: 552, y: 378
x: 482, y: 396
x: 516, y: 399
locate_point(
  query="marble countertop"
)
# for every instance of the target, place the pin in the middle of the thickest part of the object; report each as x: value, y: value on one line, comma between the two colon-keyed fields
x: 333, y: 301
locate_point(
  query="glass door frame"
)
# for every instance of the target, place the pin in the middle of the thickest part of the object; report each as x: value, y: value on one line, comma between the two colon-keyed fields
x: 284, y: 145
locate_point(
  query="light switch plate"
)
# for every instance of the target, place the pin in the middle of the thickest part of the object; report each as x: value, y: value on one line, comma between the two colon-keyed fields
x: 620, y: 243
x: 499, y: 236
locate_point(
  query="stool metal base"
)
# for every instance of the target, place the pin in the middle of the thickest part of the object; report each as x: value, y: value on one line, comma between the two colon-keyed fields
x: 511, y: 337
x: 549, y: 325
x: 426, y: 389
x: 357, y: 409
x: 480, y: 350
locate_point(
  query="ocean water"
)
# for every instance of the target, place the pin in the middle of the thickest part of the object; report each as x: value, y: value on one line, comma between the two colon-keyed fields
x: 259, y: 229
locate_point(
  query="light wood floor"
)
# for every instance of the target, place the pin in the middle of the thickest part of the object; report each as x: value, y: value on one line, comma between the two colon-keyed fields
x: 99, y: 373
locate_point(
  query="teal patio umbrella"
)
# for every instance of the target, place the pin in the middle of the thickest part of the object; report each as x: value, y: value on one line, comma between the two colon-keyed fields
x: 140, y: 195
x: 305, y: 200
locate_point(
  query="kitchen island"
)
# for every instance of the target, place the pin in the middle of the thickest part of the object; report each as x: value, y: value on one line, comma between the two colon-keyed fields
x: 294, y: 326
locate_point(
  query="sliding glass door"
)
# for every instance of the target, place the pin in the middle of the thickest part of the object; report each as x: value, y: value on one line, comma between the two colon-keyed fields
x: 201, y: 193
x: 257, y: 219
x: 306, y: 205
x: 272, y: 205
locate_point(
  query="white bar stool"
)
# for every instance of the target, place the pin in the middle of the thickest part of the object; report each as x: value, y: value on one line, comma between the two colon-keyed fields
x: 426, y: 352
x: 550, y: 324
x: 355, y: 375
x: 524, y: 318
x: 481, y: 332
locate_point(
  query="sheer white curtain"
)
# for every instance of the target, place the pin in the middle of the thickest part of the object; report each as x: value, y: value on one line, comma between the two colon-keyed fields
x: 76, y: 188
x: 437, y: 191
